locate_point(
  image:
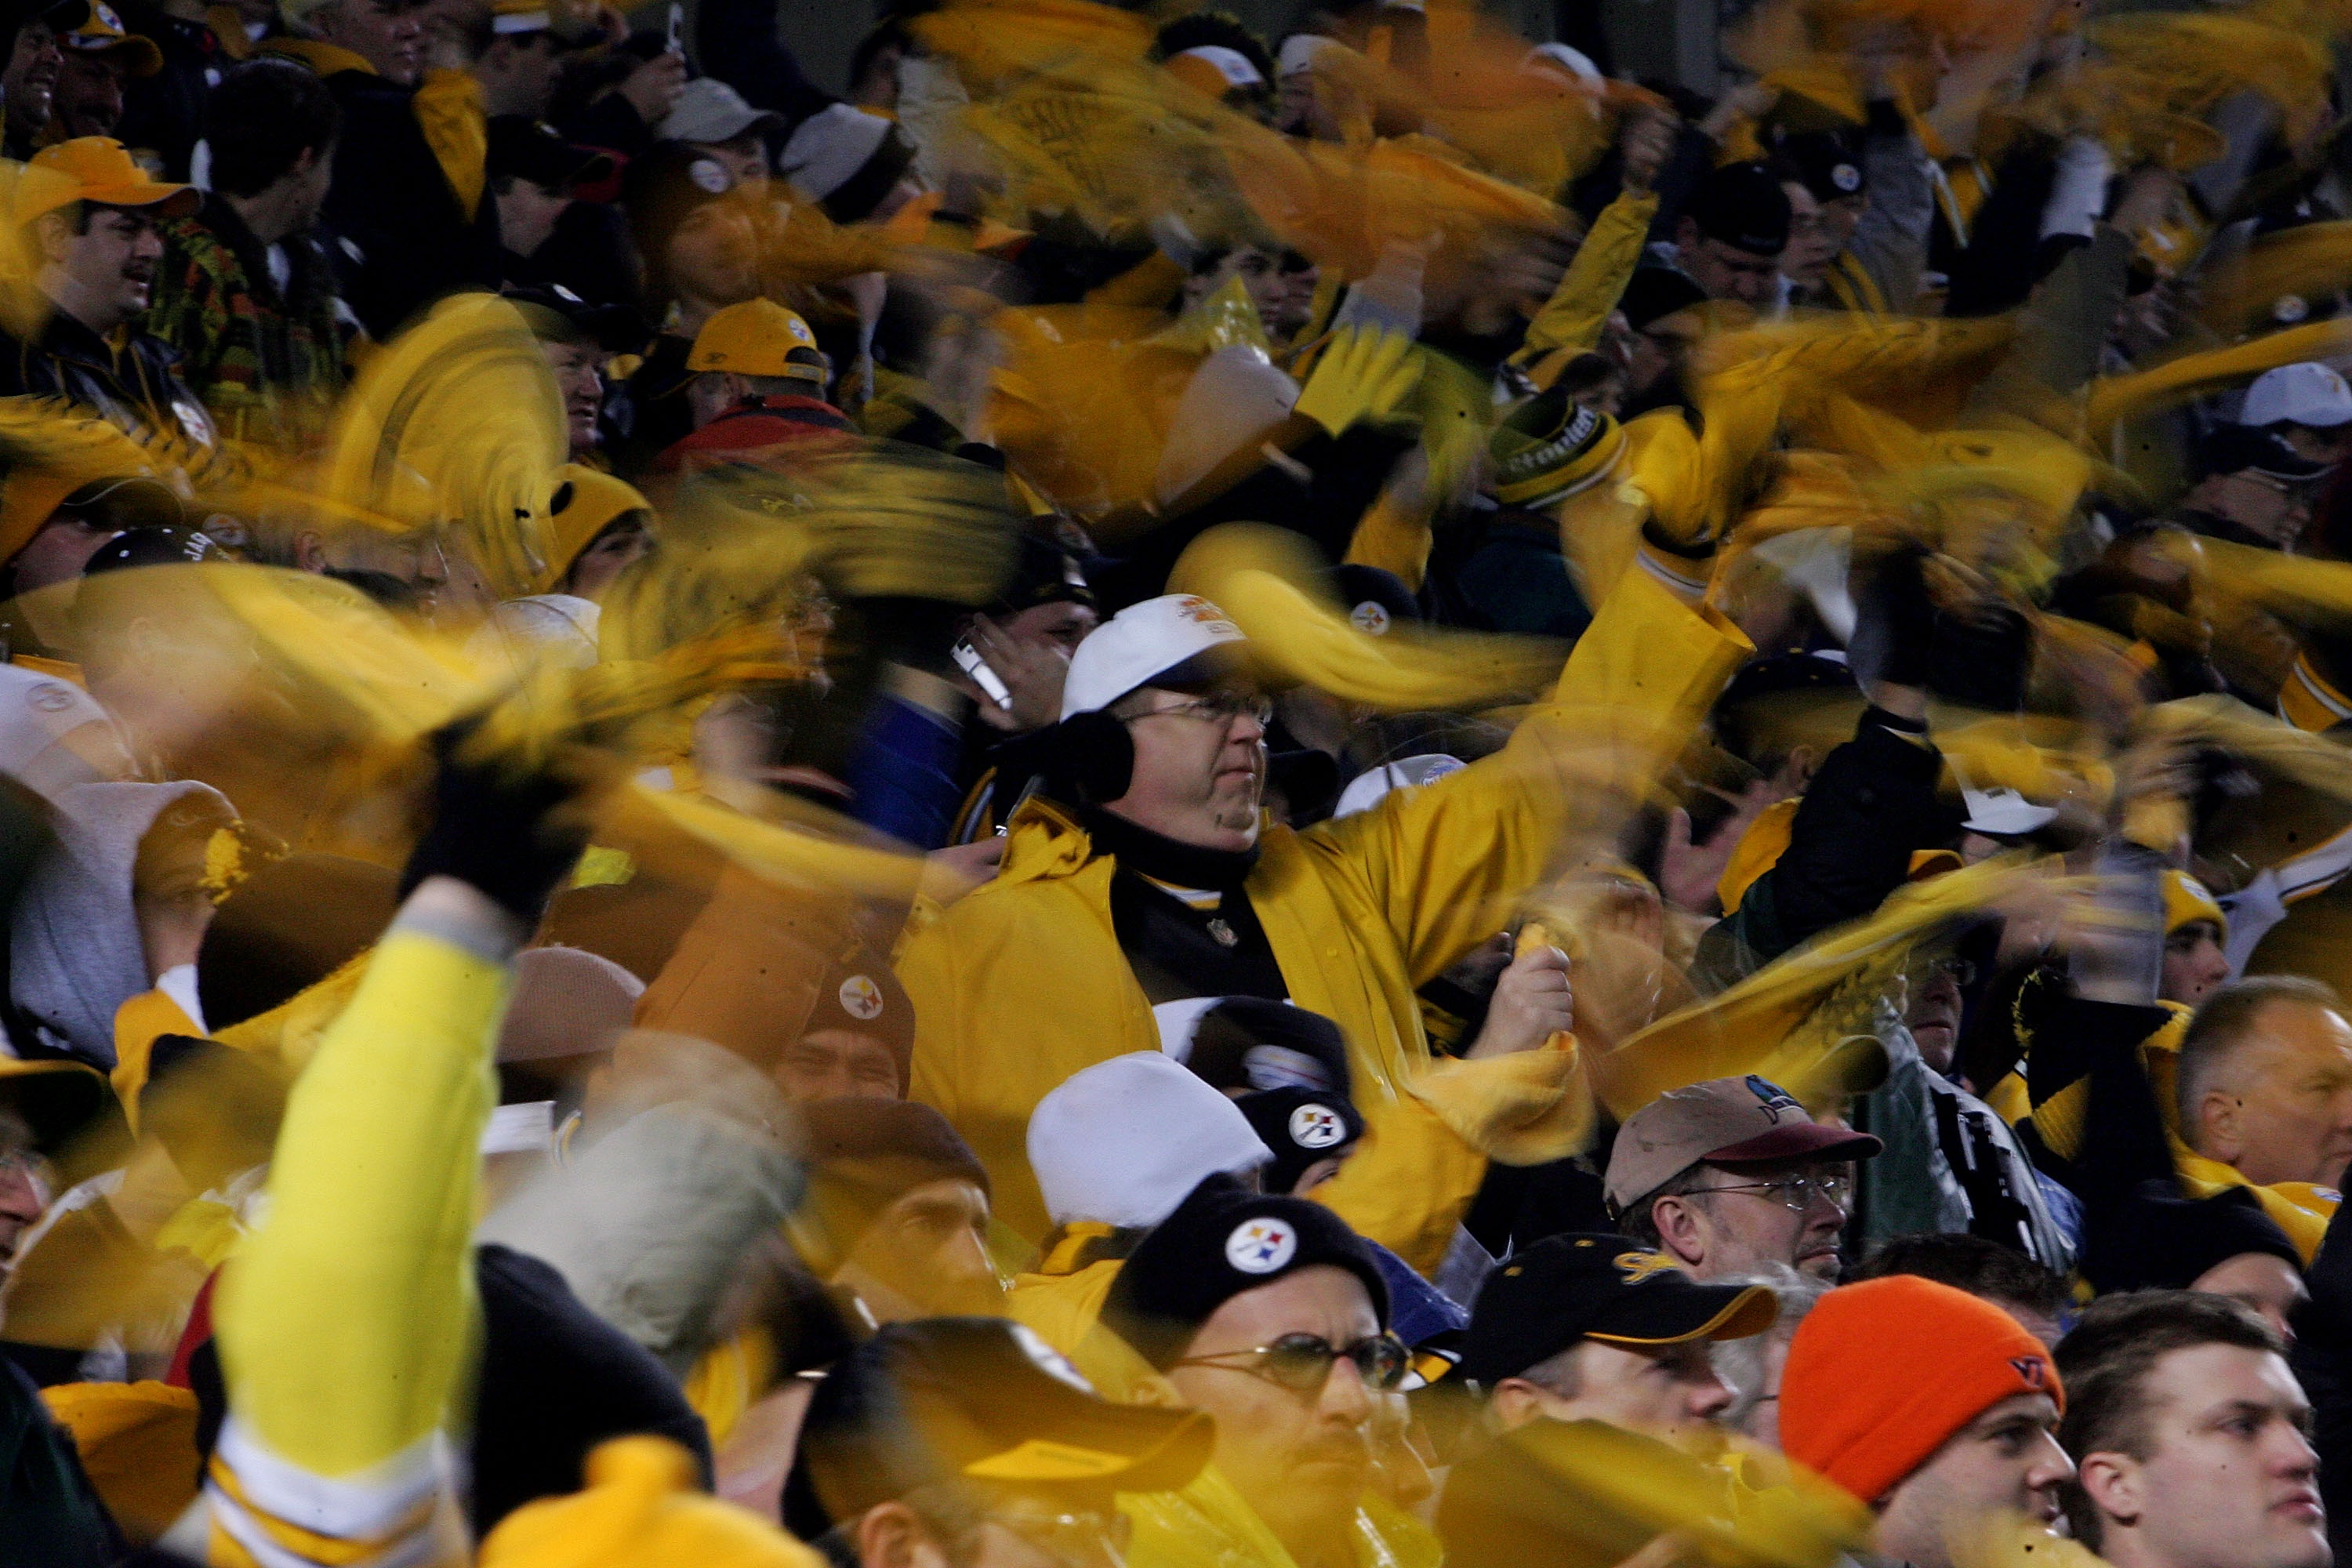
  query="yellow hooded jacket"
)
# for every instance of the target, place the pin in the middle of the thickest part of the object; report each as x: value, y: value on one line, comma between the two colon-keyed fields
x: 1023, y: 983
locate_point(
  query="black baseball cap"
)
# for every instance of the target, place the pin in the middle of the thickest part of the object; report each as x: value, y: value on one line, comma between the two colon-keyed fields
x: 1743, y: 205
x: 2242, y: 448
x: 1589, y: 1287
x: 527, y: 149
x: 557, y: 315
x: 983, y: 1399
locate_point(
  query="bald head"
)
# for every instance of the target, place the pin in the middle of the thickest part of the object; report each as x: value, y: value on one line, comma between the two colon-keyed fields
x: 2266, y: 1081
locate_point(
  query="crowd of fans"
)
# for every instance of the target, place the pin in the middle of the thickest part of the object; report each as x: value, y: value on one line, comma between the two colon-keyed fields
x: 1137, y: 795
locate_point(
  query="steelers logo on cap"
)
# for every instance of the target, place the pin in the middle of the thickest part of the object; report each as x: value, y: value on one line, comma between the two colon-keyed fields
x: 2290, y: 308
x: 1846, y: 177
x: 1370, y: 618
x: 1316, y: 1127
x: 1048, y: 1360
x: 860, y: 997
x: 706, y: 174
x: 1261, y: 1246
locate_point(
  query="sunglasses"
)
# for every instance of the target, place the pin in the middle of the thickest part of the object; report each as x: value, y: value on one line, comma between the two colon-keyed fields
x: 1303, y: 1362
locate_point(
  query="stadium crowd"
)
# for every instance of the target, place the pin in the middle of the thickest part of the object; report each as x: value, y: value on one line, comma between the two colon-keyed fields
x: 1136, y: 795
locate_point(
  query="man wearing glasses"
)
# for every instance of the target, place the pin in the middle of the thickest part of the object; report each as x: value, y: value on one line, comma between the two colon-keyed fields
x: 966, y: 1440
x: 2257, y: 490
x: 1728, y: 1176
x: 1269, y: 1314
x: 1145, y: 885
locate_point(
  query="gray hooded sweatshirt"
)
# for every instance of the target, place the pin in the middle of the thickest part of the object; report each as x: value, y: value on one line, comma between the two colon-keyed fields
x: 74, y: 949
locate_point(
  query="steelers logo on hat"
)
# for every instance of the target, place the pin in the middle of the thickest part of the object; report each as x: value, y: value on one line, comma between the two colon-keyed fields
x: 1370, y: 618
x: 1048, y: 1360
x: 2289, y: 309
x: 1261, y: 1246
x: 860, y: 997
x: 1316, y: 1127
x: 1846, y: 177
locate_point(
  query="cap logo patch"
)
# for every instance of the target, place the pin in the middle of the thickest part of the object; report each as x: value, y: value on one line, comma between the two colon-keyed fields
x: 1046, y: 1358
x: 1846, y: 177
x: 1201, y: 613
x: 1637, y: 1267
x: 2290, y: 309
x: 1261, y: 1246
x: 860, y: 997
x: 708, y: 175
x: 1370, y: 618
x: 2032, y: 1370
x: 1316, y: 1127
x: 1771, y: 1097
x: 49, y: 697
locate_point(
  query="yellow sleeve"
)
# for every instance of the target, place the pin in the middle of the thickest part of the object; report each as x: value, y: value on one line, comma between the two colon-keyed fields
x: 449, y: 112
x: 1394, y: 535
x: 344, y: 1321
x: 1408, y: 1184
x: 1571, y: 321
x: 1443, y: 863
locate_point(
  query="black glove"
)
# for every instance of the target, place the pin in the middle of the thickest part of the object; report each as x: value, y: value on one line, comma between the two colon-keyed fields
x: 498, y: 830
x: 1895, y: 624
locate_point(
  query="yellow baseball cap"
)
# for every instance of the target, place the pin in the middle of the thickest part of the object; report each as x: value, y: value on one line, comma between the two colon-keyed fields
x: 94, y: 169
x: 63, y: 457
x: 640, y: 1510
x: 757, y: 337
x: 510, y: 17
x: 104, y: 33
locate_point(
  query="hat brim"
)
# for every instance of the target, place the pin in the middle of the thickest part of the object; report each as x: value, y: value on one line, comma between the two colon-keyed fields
x: 1127, y: 1448
x: 174, y: 201
x: 57, y: 1099
x: 1798, y: 1141
x: 1693, y: 1311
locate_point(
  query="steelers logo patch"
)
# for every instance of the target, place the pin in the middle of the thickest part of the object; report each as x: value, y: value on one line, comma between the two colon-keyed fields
x: 1316, y: 1127
x: 1846, y: 177
x: 860, y: 997
x: 1261, y: 1246
x: 1370, y: 618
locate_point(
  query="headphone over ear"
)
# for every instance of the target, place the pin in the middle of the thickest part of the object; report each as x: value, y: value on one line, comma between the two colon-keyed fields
x: 1096, y: 756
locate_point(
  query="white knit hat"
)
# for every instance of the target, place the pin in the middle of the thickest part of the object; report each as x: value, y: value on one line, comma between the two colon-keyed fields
x: 1123, y: 1141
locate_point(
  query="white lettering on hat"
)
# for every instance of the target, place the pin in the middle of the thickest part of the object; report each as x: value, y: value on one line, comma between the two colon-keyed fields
x: 49, y: 697
x: 1046, y: 1358
x: 1261, y: 1246
x: 1846, y: 177
x: 860, y: 997
x: 706, y: 174
x: 1316, y: 1127
x: 1370, y: 618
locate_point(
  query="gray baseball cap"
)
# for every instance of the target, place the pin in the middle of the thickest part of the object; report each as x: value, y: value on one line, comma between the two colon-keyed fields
x: 708, y: 110
x: 1725, y: 1122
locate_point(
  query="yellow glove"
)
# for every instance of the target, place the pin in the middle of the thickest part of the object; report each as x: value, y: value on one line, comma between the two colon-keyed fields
x: 1366, y: 373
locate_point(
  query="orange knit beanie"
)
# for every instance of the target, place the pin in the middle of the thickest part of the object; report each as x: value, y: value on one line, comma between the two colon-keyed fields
x: 1882, y: 1373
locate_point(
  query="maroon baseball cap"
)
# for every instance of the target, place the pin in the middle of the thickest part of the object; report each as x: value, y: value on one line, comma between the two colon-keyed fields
x: 1724, y: 1121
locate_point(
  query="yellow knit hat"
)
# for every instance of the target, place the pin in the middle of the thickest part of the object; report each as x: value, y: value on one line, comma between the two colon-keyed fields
x: 639, y: 1509
x: 585, y: 501
x: 2185, y: 899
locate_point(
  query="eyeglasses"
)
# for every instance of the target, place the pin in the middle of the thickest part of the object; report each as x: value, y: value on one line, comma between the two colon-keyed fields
x: 1303, y: 1362
x: 1796, y: 1194
x: 25, y: 1163
x: 1960, y: 972
x: 1219, y: 708
x: 1081, y: 1539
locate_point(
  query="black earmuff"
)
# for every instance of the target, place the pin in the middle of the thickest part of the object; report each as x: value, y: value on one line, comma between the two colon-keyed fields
x: 1096, y: 756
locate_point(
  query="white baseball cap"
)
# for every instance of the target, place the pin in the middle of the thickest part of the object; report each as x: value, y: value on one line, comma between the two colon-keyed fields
x: 2001, y: 812
x: 1124, y: 1141
x: 2306, y: 393
x: 1142, y: 644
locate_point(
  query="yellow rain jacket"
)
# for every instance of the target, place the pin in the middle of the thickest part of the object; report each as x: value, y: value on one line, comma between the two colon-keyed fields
x: 1023, y: 983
